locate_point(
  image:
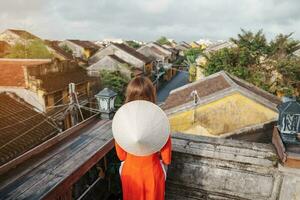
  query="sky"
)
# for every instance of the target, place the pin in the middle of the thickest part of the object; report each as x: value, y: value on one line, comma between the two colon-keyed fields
x: 188, y: 20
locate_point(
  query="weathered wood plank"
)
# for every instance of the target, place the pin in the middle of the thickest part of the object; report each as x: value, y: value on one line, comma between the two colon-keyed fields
x: 47, y: 171
x: 26, y: 167
x: 38, y: 149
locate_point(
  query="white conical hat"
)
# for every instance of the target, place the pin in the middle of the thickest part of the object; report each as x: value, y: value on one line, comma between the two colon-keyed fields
x: 141, y: 128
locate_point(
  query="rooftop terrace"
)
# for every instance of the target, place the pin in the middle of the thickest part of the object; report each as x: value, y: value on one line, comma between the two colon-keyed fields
x: 202, y: 167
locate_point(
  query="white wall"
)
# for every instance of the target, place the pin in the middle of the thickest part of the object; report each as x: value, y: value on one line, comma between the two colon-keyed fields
x: 28, y: 96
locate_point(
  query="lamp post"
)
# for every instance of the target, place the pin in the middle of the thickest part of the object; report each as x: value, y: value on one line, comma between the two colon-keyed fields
x: 106, y: 102
x: 289, y: 121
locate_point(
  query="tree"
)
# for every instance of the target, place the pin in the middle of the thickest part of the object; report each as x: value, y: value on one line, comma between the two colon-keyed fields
x: 190, y: 57
x: 67, y: 49
x: 283, y: 45
x: 270, y: 66
x: 30, y: 49
x: 192, y: 54
x: 163, y: 40
x: 133, y: 44
x: 116, y: 82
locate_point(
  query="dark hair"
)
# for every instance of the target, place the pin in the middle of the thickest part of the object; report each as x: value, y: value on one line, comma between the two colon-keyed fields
x: 140, y: 88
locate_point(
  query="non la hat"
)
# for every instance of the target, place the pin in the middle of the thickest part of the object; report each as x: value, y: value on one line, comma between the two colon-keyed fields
x: 141, y: 128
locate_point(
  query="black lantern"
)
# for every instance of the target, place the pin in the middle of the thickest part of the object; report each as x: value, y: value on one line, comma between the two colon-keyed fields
x: 106, y: 102
x: 289, y: 120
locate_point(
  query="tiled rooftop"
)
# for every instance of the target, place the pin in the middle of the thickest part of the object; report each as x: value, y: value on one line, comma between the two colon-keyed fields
x: 12, y: 73
x: 24, y: 34
x: 133, y: 52
x: 214, y: 85
x: 21, y: 127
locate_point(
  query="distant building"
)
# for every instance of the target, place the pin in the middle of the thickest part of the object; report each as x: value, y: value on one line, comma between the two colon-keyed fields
x: 194, y: 44
x: 171, y: 54
x: 80, y: 48
x: 173, y: 43
x: 187, y: 45
x: 59, y: 51
x: 204, y: 43
x: 219, y: 46
x: 154, y: 53
x: 161, y: 60
x: 44, y: 83
x: 114, y: 63
x: 126, y: 53
x: 226, y: 104
x: 13, y: 36
x: 182, y: 47
x: 108, y: 41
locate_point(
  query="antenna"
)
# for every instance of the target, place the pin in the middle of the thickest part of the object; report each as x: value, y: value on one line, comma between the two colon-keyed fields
x: 196, y: 97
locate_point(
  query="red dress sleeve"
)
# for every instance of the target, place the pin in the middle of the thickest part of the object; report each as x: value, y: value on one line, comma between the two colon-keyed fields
x: 120, y: 152
x: 166, y: 152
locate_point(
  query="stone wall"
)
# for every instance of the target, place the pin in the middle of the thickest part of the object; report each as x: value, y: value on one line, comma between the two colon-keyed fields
x: 208, y: 168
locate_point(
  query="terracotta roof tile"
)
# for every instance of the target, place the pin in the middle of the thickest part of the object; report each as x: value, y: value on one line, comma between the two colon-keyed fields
x: 54, y: 45
x: 12, y: 72
x: 156, y: 50
x: 86, y: 44
x: 133, y: 52
x: 118, y: 59
x: 213, y: 84
x: 24, y: 34
x: 255, y: 90
x: 203, y: 88
x: 52, y: 82
x: 21, y: 127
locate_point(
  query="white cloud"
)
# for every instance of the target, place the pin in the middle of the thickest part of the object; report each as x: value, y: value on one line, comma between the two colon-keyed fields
x: 148, y: 19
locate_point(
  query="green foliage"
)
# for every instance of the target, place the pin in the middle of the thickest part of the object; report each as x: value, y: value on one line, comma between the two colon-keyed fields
x: 282, y: 46
x: 67, y: 49
x: 229, y: 60
x: 133, y: 44
x: 268, y: 65
x: 116, y: 82
x: 192, y: 73
x: 256, y: 43
x: 192, y: 54
x: 163, y: 40
x: 30, y: 49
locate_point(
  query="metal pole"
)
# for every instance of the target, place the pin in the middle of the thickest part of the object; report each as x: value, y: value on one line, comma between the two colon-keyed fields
x: 72, y: 104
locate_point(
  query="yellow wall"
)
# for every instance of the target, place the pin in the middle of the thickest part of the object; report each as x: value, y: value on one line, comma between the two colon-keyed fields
x: 222, y: 116
x: 87, y: 53
x: 199, y: 73
x: 194, y: 45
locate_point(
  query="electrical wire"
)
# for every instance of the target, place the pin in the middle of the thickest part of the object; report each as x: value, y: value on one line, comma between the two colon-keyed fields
x: 22, y: 134
x: 90, y: 109
x: 20, y: 121
x: 45, y: 120
x: 13, y: 113
x: 78, y: 105
x: 41, y: 113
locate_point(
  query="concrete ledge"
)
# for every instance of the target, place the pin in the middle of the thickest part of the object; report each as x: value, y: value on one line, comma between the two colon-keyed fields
x: 215, y: 168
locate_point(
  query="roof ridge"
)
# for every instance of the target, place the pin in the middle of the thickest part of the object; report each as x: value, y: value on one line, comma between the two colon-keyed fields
x: 198, y: 81
x: 232, y: 77
x: 131, y: 51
